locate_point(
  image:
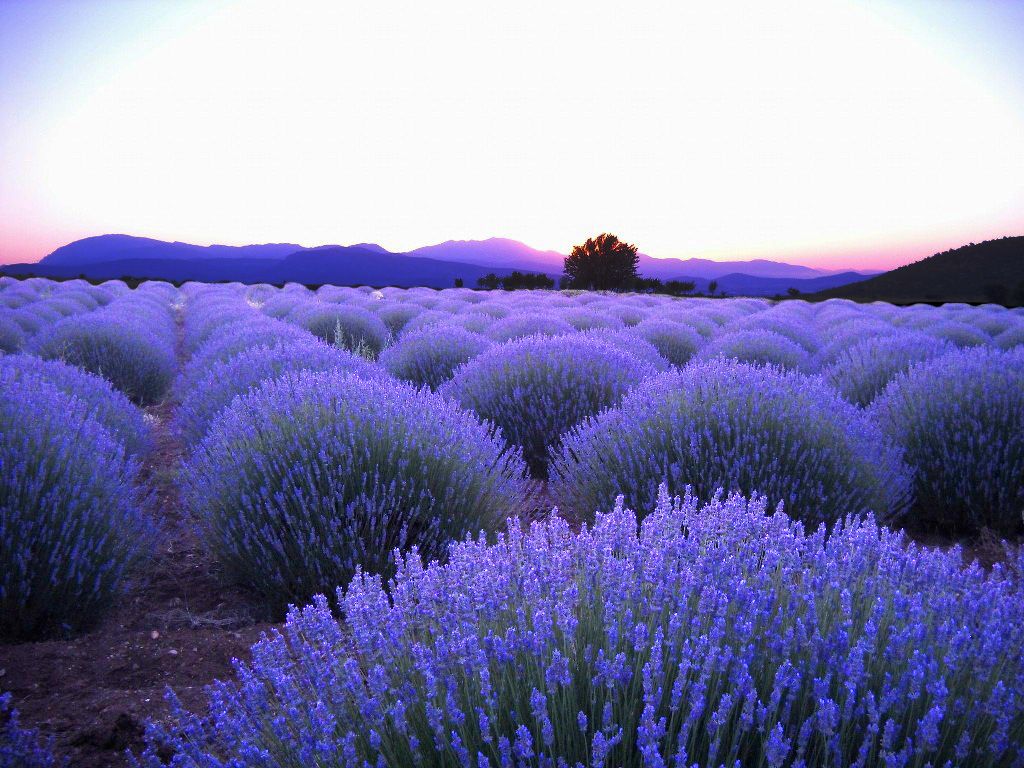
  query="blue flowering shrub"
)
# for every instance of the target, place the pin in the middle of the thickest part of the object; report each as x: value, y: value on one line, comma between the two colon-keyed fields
x: 215, y: 386
x: 1012, y: 337
x: 69, y: 511
x: 702, y: 636
x: 109, y: 406
x: 22, y: 747
x: 395, y: 315
x: 960, y: 421
x: 538, y: 387
x: 758, y: 347
x: 344, y: 325
x: 429, y: 357
x: 676, y: 342
x: 315, y: 474
x: 521, y: 325
x: 12, y: 336
x: 130, y: 342
x: 864, y: 369
x: 743, y: 428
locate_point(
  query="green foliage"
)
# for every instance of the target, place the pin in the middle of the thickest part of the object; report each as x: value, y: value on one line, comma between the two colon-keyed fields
x: 604, y: 263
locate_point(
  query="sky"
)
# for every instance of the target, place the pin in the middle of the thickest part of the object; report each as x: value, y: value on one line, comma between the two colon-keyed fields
x: 832, y: 134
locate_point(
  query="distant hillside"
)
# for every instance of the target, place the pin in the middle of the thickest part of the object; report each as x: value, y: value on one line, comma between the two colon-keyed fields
x: 337, y: 265
x: 738, y: 284
x: 92, y: 250
x: 970, y: 273
x: 359, y: 266
x: 370, y: 264
x: 499, y: 252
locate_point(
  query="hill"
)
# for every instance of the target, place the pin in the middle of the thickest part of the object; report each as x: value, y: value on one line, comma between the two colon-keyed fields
x: 992, y: 270
x: 105, y: 248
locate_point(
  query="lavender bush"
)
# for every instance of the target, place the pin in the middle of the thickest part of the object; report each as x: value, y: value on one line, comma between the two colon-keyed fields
x: 22, y: 747
x: 12, y: 336
x: 429, y: 357
x: 716, y: 635
x: 960, y: 421
x: 758, y: 347
x: 538, y: 387
x: 346, y: 326
x: 866, y: 368
x: 110, y: 407
x: 215, y: 386
x: 69, y: 511
x: 314, y: 474
x: 130, y: 342
x: 734, y: 426
x: 676, y: 342
x: 521, y: 325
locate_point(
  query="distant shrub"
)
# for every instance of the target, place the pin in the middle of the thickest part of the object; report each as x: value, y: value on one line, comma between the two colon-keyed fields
x: 758, y: 347
x: 1011, y: 337
x: 130, y: 350
x: 313, y: 475
x: 234, y: 338
x: 842, y: 336
x: 627, y: 341
x: 22, y: 747
x: 742, y: 428
x: 216, y: 385
x: 519, y: 326
x: 281, y: 304
x: 12, y: 337
x: 717, y: 635
x: 676, y: 342
x: 107, y: 405
x: 538, y: 387
x: 69, y: 520
x: 345, y: 326
x: 791, y: 320
x: 585, y: 320
x: 865, y: 369
x: 960, y: 334
x: 428, y: 358
x: 960, y: 421
x: 395, y: 316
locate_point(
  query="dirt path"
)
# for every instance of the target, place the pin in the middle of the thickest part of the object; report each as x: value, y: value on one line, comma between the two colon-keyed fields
x: 176, y: 624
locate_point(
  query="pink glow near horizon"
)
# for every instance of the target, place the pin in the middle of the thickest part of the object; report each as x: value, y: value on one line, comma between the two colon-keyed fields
x: 823, y: 133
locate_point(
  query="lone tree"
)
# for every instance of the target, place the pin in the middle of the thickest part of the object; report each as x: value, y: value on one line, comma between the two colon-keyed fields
x: 603, y: 263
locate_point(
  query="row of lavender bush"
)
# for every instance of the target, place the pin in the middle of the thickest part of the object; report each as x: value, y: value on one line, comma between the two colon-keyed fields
x: 718, y: 635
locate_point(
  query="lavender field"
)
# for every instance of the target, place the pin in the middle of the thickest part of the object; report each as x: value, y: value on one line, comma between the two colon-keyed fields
x: 523, y: 528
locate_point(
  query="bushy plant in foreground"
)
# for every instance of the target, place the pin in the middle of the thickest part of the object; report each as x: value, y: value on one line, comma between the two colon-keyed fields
x: 69, y: 519
x: 538, y: 387
x: 224, y: 380
x: 866, y: 368
x: 429, y: 357
x: 109, y: 406
x: 734, y: 426
x: 758, y: 347
x: 22, y: 747
x: 960, y: 421
x: 314, y: 474
x: 132, y: 351
x: 716, y: 635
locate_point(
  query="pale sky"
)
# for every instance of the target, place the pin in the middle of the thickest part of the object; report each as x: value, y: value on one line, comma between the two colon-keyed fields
x: 833, y: 134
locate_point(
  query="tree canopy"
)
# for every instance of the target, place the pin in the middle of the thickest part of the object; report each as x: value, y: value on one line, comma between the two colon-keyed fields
x: 603, y: 263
